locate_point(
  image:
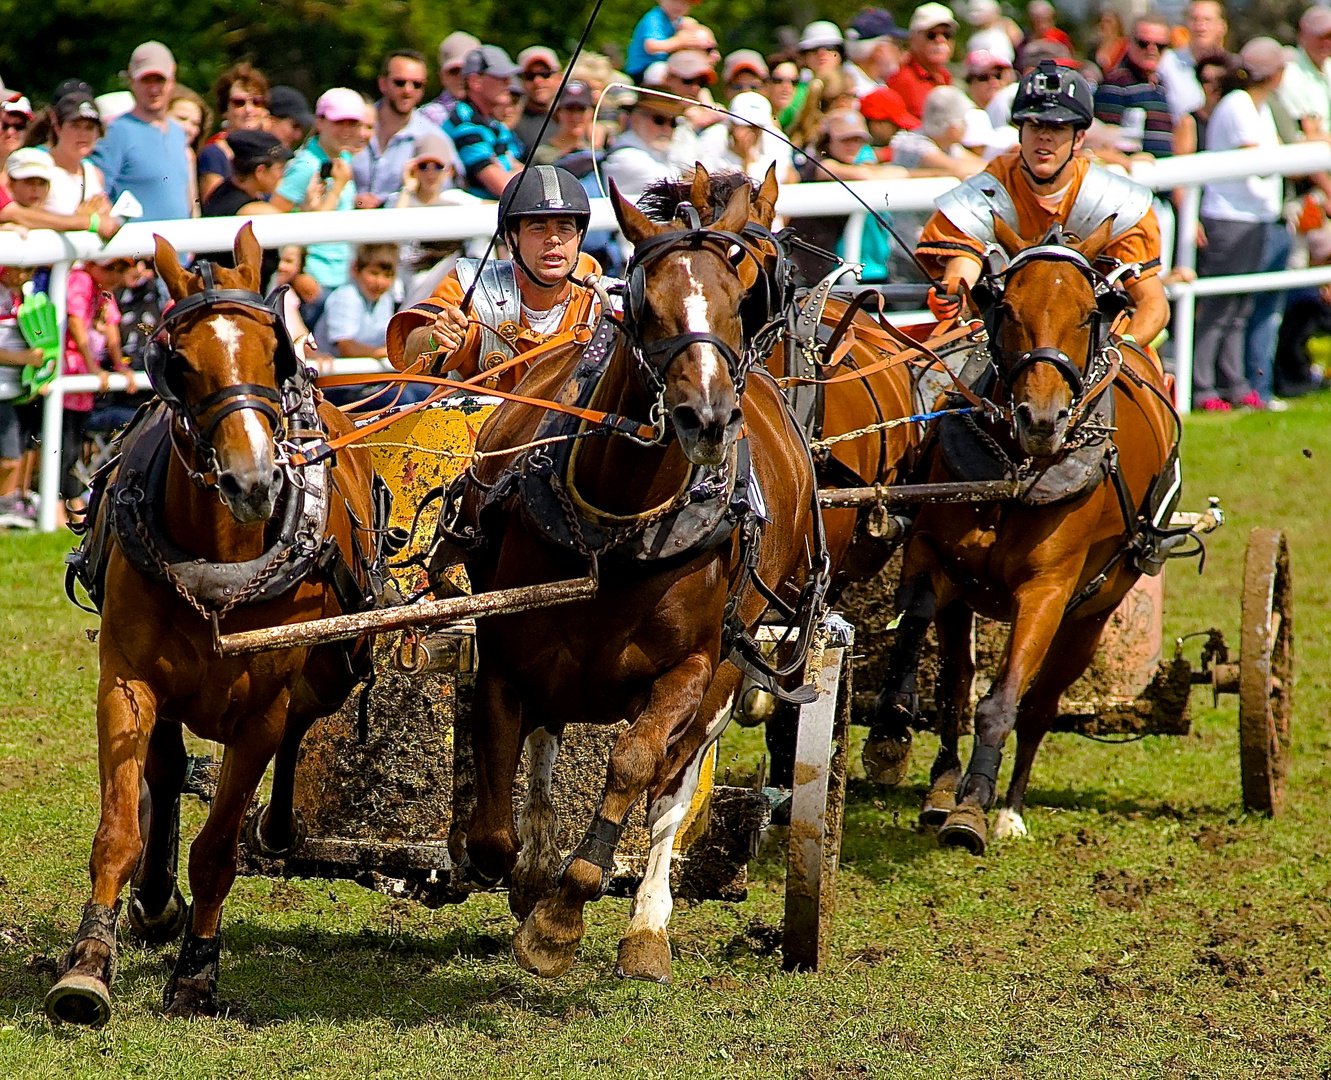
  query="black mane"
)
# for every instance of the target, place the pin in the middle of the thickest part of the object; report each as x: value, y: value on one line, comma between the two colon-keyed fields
x: 662, y: 199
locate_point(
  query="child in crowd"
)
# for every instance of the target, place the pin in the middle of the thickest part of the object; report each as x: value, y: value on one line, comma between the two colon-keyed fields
x: 92, y: 342
x: 15, y: 354
x: 291, y: 271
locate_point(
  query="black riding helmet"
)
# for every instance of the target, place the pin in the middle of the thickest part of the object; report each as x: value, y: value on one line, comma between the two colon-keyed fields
x: 1054, y: 94
x: 542, y: 191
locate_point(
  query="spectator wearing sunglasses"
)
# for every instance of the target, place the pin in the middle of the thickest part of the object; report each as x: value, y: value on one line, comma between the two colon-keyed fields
x: 399, y: 131
x: 786, y: 89
x: 932, y: 32
x: 539, y: 70
x: 689, y: 74
x: 15, y: 120
x: 241, y: 94
x: 488, y: 150
x: 742, y: 71
x: 1135, y: 87
x: 572, y: 128
x: 990, y: 84
x: 641, y: 154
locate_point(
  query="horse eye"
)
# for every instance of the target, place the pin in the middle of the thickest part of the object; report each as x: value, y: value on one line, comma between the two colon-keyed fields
x: 735, y: 254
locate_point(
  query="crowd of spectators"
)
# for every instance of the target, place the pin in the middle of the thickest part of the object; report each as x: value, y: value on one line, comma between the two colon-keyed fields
x: 869, y: 100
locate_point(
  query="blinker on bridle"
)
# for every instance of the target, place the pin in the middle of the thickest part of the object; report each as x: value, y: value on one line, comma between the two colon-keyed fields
x: 655, y: 357
x: 160, y: 352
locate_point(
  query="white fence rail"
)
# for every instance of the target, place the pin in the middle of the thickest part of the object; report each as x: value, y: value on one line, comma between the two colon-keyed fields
x: 135, y: 240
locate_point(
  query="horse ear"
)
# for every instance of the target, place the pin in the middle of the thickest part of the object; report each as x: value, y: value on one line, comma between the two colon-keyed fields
x: 700, y: 192
x: 763, y: 210
x: 1006, y: 237
x: 633, y: 223
x: 1094, y: 244
x: 248, y: 254
x: 168, y: 266
x: 737, y: 211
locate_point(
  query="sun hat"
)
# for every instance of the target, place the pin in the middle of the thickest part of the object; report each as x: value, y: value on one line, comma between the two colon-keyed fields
x: 340, y: 103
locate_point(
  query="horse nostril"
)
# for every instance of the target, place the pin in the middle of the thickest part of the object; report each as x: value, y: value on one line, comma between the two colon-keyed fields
x: 277, y: 479
x: 686, y: 419
x: 736, y: 418
x: 229, y: 487
x: 1024, y: 412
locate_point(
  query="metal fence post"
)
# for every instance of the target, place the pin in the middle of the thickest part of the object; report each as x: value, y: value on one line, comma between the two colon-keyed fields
x: 53, y: 406
x: 1185, y: 313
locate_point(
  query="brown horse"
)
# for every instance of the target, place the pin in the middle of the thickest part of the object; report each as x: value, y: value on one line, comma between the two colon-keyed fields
x: 201, y: 524
x: 649, y: 647
x: 862, y: 389
x: 1089, y: 440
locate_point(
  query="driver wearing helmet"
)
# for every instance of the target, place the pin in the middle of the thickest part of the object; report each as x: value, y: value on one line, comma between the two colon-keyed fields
x: 1045, y: 181
x: 518, y: 304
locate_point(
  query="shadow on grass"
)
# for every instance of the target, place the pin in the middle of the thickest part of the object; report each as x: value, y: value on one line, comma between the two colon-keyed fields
x: 463, y: 977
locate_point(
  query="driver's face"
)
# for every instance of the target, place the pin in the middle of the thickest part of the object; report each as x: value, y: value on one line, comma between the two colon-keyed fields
x: 1045, y: 148
x: 549, y: 247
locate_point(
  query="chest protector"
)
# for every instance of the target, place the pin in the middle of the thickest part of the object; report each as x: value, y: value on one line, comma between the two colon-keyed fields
x: 970, y: 205
x: 497, y: 304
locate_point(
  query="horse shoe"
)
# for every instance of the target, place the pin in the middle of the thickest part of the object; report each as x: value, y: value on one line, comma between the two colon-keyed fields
x: 966, y: 827
x: 939, y: 802
x: 163, y: 927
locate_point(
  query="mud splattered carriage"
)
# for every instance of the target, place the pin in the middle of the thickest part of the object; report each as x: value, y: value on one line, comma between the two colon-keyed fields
x: 383, y: 785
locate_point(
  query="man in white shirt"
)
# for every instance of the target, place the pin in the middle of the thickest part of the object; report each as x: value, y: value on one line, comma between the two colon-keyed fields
x: 1178, y: 67
x: 641, y: 155
x: 1305, y: 90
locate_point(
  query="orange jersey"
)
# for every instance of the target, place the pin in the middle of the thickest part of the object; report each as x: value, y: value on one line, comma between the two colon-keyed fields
x: 468, y: 359
x: 943, y: 240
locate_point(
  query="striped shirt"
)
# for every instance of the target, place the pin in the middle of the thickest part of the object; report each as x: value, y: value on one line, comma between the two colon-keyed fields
x: 1129, y: 87
x: 480, y: 142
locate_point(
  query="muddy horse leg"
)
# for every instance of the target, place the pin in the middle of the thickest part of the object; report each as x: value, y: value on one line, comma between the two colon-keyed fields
x: 156, y: 909
x: 956, y: 672
x: 192, y: 987
x: 887, y: 749
x: 277, y: 830
x: 491, y: 848
x: 644, y: 950
x: 547, y: 941
x: 1038, y: 611
x: 534, y: 874
x: 1073, y: 649
x: 126, y: 710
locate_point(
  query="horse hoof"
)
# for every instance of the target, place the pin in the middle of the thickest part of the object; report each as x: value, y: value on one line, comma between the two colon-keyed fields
x: 190, y: 999
x: 965, y: 827
x: 165, y: 926
x: 1008, y: 825
x: 79, y: 999
x: 526, y: 890
x: 258, y: 846
x: 644, y: 956
x: 886, y: 758
x: 538, y: 952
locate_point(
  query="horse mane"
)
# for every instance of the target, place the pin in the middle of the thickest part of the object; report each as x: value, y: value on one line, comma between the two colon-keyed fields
x: 663, y: 198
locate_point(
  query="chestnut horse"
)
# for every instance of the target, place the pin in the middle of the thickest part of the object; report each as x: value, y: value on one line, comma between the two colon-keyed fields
x: 209, y: 501
x: 1054, y: 563
x: 648, y: 648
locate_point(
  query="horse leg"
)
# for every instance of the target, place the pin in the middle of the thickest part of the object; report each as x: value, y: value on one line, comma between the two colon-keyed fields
x: 1074, y: 647
x: 277, y: 830
x: 491, y: 843
x: 547, y: 940
x: 126, y: 710
x: 956, y: 672
x: 1038, y: 613
x: 156, y: 908
x: 192, y: 987
x: 887, y: 749
x: 533, y: 877
x: 644, y: 951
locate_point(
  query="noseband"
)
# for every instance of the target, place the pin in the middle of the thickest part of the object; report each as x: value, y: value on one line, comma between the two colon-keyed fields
x: 162, y: 360
x: 655, y: 357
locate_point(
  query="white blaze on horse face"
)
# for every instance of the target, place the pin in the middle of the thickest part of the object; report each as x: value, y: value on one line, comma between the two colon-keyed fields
x: 696, y: 320
x: 228, y: 337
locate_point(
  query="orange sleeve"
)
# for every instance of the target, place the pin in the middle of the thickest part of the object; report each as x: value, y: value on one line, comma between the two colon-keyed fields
x: 400, y: 326
x: 941, y: 241
x: 1140, y: 244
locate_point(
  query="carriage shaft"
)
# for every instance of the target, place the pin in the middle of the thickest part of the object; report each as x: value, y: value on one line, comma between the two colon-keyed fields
x: 910, y: 494
x: 414, y: 616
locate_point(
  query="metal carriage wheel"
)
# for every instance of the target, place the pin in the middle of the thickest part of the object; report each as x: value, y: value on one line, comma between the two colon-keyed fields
x: 1266, y: 669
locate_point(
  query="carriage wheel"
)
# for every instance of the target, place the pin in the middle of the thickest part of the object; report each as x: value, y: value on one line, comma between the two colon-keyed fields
x: 818, y: 800
x: 1266, y: 668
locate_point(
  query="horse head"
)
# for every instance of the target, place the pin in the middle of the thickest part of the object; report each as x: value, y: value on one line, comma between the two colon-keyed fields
x: 217, y: 365
x: 686, y: 284
x: 1046, y: 314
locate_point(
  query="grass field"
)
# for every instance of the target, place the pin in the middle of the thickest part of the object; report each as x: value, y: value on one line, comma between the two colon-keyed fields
x: 1147, y: 927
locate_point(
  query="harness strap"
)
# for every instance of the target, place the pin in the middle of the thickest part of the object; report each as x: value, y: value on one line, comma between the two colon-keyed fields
x: 912, y: 354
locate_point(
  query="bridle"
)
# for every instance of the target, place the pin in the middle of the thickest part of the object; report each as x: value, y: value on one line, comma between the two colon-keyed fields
x: 163, y: 361
x: 655, y: 357
x: 1110, y: 301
